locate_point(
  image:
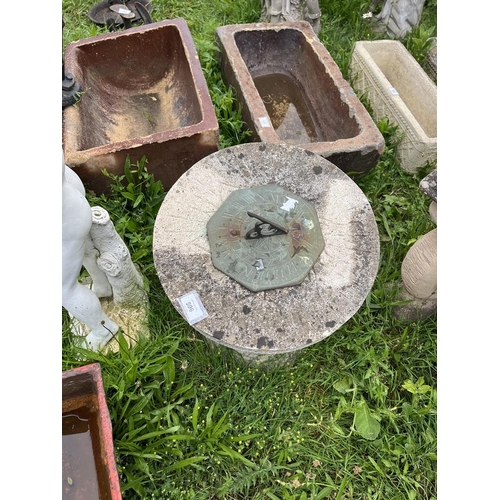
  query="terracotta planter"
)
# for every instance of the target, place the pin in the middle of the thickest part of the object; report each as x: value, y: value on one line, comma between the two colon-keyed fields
x: 144, y: 93
x: 88, y: 462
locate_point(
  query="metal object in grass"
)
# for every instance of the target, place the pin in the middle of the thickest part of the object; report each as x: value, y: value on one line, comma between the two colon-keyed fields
x: 116, y: 13
x: 70, y: 87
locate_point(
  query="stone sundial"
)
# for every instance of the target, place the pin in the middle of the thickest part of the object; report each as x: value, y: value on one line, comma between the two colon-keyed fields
x: 278, y: 244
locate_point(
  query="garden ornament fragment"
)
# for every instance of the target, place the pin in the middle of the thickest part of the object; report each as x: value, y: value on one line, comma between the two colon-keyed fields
x: 396, y: 17
x: 116, y: 13
x: 70, y: 87
x: 277, y: 11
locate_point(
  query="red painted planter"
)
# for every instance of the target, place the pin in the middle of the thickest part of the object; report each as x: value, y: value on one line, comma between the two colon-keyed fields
x: 88, y: 461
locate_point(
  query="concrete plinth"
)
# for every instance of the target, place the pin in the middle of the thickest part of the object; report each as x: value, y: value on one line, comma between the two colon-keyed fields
x: 262, y: 324
x: 132, y: 319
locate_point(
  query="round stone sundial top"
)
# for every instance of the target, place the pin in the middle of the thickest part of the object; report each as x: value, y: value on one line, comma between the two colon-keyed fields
x: 279, y: 319
x: 265, y: 237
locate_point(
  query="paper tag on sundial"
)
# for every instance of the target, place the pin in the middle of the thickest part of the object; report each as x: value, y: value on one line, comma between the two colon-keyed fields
x: 192, y: 307
x: 393, y: 91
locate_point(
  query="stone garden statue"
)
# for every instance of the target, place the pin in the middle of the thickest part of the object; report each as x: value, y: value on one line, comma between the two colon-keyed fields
x: 396, y: 17
x: 277, y: 11
x: 90, y: 240
x: 419, y: 267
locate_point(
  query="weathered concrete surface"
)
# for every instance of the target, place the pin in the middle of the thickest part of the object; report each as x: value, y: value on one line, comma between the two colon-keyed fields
x: 281, y: 320
x: 430, y: 64
x: 342, y: 129
x: 398, y: 88
x: 144, y: 94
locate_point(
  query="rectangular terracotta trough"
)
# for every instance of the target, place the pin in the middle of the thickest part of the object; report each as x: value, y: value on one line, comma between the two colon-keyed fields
x: 144, y: 93
x: 292, y: 91
x: 398, y: 88
x: 88, y: 463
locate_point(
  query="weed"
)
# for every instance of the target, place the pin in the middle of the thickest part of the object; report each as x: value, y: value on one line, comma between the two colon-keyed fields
x: 133, y: 205
x: 78, y: 96
x: 419, y: 41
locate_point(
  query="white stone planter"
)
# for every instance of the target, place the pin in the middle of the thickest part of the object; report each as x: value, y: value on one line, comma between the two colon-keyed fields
x: 398, y: 88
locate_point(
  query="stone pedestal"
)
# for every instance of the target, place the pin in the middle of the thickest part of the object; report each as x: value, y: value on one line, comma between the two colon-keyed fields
x: 133, y: 321
x: 260, y: 325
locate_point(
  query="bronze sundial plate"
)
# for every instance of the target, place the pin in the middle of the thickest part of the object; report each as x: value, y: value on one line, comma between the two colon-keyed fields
x: 265, y: 237
x: 278, y: 320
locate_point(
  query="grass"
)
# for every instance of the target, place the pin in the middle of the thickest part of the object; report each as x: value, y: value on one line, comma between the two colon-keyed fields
x: 352, y: 417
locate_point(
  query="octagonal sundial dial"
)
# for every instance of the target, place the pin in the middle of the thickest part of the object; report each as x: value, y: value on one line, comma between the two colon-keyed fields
x: 265, y: 237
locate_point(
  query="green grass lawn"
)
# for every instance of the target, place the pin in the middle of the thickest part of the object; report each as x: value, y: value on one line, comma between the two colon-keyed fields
x: 352, y: 417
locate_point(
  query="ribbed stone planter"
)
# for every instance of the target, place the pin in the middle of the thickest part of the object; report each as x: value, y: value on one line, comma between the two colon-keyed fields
x: 144, y: 93
x: 430, y: 64
x: 291, y: 91
x: 398, y: 88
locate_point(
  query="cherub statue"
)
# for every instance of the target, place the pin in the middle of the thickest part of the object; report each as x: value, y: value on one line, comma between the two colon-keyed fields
x: 277, y: 11
x: 77, y: 251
